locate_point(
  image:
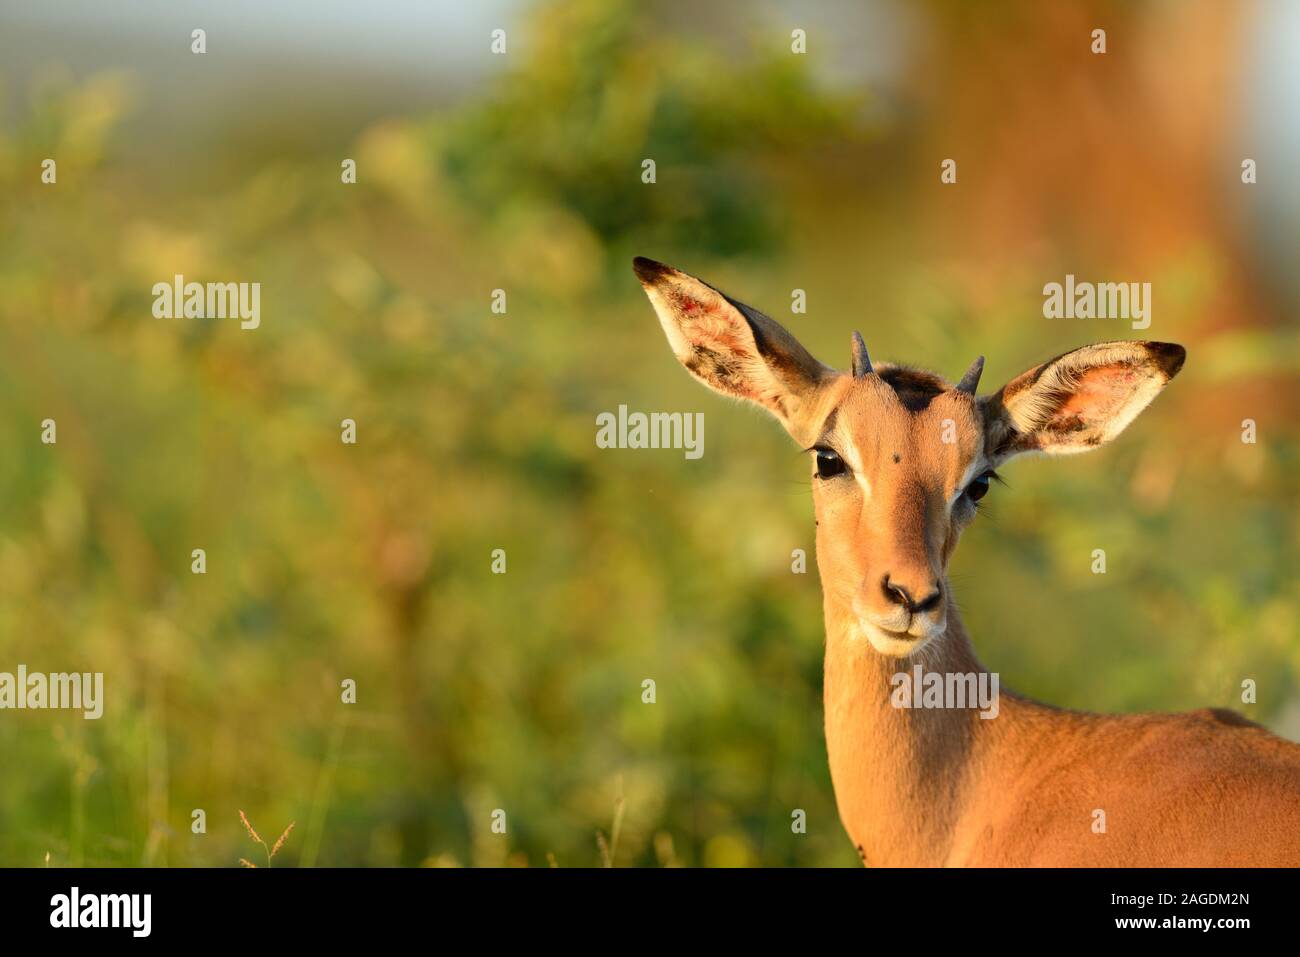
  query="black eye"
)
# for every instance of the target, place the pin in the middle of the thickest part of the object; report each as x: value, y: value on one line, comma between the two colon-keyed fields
x: 980, y: 487
x: 829, y: 464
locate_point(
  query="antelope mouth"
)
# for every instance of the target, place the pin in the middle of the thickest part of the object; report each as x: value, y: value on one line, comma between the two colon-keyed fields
x: 898, y: 635
x: 895, y: 644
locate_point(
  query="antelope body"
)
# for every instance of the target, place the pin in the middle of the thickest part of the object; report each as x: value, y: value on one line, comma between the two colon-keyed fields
x: 900, y: 459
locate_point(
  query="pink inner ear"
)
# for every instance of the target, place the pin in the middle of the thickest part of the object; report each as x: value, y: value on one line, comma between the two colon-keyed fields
x: 1097, y: 394
x: 708, y: 325
x: 690, y: 306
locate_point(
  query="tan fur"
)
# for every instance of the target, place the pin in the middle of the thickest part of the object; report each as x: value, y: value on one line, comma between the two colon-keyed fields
x: 944, y: 786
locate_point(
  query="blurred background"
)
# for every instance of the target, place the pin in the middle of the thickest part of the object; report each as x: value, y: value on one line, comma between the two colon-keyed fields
x: 476, y: 431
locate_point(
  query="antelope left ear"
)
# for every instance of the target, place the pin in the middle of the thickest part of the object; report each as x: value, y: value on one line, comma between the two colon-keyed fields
x: 733, y: 348
x: 1078, y: 400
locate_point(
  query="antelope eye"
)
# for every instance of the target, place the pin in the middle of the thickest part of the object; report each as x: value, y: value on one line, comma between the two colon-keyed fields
x: 829, y: 464
x: 979, y: 487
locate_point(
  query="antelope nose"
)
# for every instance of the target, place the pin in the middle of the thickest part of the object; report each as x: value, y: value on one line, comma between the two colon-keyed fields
x: 902, y: 594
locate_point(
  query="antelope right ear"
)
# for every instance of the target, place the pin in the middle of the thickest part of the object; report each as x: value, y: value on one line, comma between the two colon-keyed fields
x: 1078, y: 400
x: 730, y: 347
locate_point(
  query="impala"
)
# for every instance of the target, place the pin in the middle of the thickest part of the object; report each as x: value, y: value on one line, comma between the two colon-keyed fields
x: 899, y: 460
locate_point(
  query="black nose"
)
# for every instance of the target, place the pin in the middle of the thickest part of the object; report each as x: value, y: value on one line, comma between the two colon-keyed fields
x: 901, y: 595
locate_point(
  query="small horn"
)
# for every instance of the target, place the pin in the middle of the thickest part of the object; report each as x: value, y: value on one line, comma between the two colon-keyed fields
x: 971, y: 380
x: 861, y: 361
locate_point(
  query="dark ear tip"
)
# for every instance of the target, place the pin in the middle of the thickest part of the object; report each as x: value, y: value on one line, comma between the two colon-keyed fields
x: 1169, y: 356
x: 647, y: 270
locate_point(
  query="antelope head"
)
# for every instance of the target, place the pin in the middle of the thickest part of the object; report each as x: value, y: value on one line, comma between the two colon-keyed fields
x: 900, y: 458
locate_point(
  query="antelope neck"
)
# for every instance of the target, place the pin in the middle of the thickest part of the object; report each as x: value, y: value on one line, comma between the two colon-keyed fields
x: 900, y: 774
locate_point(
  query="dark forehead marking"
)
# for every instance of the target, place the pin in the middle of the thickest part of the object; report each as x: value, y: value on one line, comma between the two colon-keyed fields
x: 914, y: 387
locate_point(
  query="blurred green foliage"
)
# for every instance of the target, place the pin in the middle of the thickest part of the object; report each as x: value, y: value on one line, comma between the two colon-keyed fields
x: 522, y: 691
